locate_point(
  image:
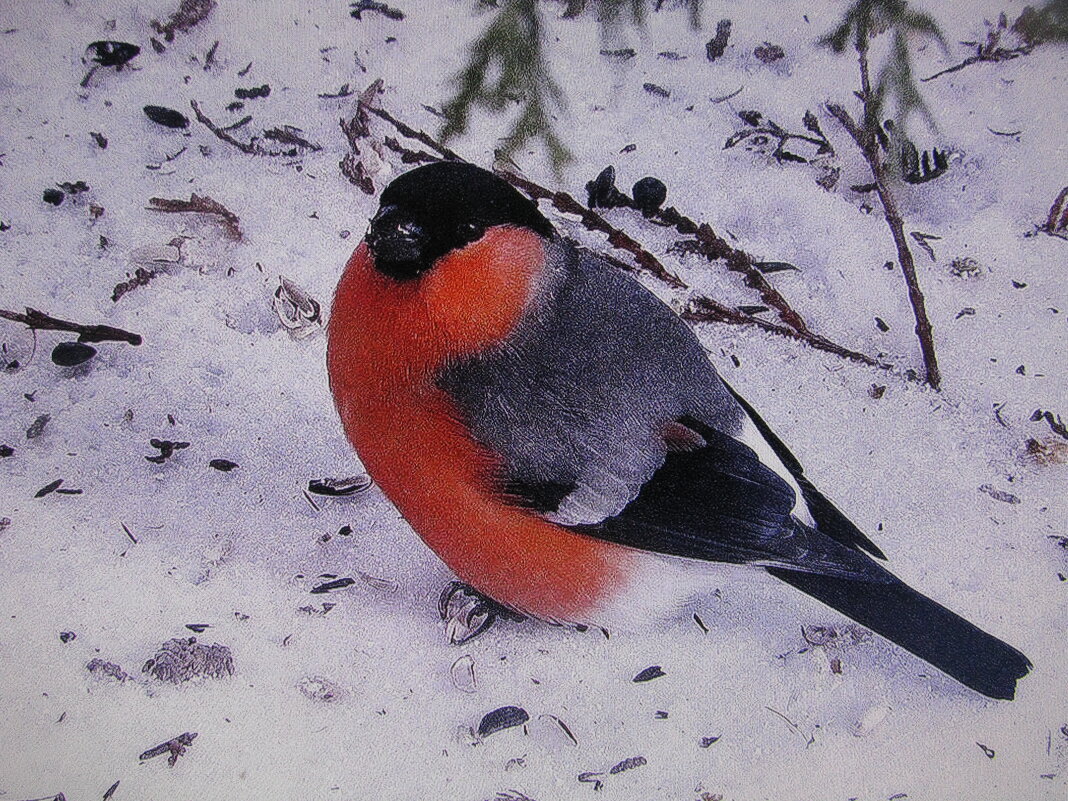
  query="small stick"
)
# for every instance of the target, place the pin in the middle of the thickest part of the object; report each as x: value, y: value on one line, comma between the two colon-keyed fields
x: 244, y: 147
x: 86, y: 333
x: 869, y: 148
x: 1001, y: 54
x: 714, y: 247
x: 199, y: 204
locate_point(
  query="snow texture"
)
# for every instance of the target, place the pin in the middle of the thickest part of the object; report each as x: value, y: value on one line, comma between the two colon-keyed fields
x: 358, y: 696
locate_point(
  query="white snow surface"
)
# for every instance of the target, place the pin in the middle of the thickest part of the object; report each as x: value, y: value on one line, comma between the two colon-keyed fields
x: 241, y: 550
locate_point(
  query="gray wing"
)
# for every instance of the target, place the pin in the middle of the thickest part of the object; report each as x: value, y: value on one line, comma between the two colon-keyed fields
x: 610, y: 419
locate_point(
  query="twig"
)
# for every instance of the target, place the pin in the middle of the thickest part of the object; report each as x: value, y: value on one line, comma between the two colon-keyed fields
x: 244, y: 147
x: 998, y: 54
x: 412, y: 133
x: 200, y: 204
x: 706, y: 310
x: 702, y: 309
x: 86, y: 333
x: 714, y: 247
x: 869, y: 148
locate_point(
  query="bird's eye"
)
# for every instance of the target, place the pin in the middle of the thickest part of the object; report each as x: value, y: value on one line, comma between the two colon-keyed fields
x: 470, y: 231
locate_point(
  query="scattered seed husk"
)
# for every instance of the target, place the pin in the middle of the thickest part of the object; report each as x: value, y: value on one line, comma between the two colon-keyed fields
x: 199, y: 628
x: 175, y: 748
x: 708, y: 741
x: 223, y: 465
x: 769, y: 53
x: 999, y: 495
x: 627, y: 764
x: 872, y: 718
x: 380, y: 584
x: 591, y: 777
x: 67, y: 636
x: 70, y: 354
x: 179, y: 660
x: 330, y: 586
x: 504, y: 717
x: 990, y: 752
x: 654, y: 89
x: 650, y: 673
x: 561, y: 726
x: 167, y: 117
x: 100, y: 668
x: 316, y: 688
x: 339, y: 487
x: 462, y: 673
x: 299, y: 313
x: 111, y: 791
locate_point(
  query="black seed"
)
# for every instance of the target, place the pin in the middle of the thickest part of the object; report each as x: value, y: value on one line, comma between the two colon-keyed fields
x: 649, y: 195
x: 167, y: 117
x: 53, y: 196
x: 336, y: 584
x: 880, y: 323
x: 111, y: 54
x: 48, y: 488
x: 68, y: 354
x: 344, y: 531
x: 223, y: 465
x: 650, y: 673
x: 5, y: 451
x: 504, y: 718
x: 253, y: 93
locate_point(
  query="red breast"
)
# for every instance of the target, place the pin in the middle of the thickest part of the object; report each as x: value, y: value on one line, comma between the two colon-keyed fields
x: 387, y: 340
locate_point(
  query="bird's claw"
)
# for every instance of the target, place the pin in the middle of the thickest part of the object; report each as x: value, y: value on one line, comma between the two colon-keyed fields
x: 467, y: 612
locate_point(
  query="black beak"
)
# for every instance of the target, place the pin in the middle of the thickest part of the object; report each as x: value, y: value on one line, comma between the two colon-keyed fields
x: 398, y: 244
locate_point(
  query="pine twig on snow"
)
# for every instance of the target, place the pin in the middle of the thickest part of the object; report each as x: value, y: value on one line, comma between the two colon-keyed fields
x: 702, y: 308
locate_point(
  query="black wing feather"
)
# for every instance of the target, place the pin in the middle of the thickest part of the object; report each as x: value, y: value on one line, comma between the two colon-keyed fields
x: 828, y: 517
x: 721, y: 503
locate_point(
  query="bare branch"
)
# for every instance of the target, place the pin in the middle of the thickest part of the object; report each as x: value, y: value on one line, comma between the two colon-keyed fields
x: 86, y: 333
x: 244, y: 147
x: 200, y: 204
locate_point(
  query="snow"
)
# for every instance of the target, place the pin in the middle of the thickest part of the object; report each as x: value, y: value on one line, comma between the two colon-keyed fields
x: 241, y: 550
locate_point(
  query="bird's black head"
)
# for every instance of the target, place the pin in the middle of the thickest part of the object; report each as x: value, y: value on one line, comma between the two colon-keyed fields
x: 438, y: 208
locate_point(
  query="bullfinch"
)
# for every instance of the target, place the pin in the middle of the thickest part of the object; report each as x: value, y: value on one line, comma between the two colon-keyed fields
x: 560, y: 439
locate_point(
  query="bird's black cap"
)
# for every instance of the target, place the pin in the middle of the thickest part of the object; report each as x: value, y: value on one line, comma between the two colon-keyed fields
x: 440, y: 207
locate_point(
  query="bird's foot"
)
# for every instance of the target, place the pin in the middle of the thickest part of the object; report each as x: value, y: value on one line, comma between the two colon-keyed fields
x: 468, y: 613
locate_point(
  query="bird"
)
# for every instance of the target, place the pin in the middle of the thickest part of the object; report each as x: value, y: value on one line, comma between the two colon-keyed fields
x: 562, y: 441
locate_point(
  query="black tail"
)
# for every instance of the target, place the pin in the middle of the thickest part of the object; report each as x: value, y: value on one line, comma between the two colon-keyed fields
x: 918, y: 624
